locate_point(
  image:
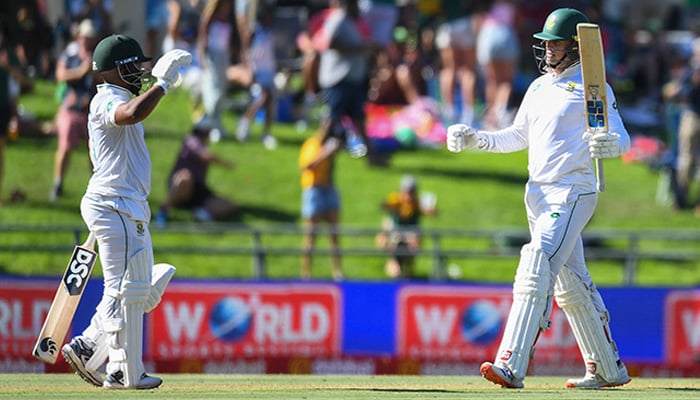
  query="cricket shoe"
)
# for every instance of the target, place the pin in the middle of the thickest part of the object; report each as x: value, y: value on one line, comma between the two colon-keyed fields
x: 77, y: 353
x: 500, y: 376
x: 116, y: 381
x: 595, y: 381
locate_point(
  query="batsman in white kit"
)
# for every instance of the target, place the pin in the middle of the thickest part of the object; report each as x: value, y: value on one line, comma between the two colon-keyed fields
x: 115, y: 208
x: 561, y: 194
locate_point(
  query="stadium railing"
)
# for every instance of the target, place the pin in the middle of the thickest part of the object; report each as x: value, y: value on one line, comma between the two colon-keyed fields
x: 440, y: 246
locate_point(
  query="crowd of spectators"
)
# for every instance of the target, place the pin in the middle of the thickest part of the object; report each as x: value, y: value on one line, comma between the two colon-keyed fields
x: 459, y: 61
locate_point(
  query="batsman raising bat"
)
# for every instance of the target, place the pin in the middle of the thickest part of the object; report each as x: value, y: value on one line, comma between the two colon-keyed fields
x: 560, y: 199
x: 115, y: 208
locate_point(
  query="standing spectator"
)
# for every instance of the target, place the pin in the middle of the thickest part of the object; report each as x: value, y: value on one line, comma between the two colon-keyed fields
x: 262, y: 63
x: 456, y: 41
x: 156, y: 24
x: 400, y: 231
x: 99, y: 11
x: 183, y: 27
x: 560, y: 200
x: 115, y: 209
x: 187, y: 183
x: 497, y: 54
x: 34, y: 39
x: 687, y: 92
x: 320, y: 199
x: 343, y: 70
x: 74, y: 69
x: 214, y: 53
x: 10, y: 74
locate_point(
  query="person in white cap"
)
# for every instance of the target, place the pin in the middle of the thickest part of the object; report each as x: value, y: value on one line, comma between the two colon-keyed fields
x: 74, y: 75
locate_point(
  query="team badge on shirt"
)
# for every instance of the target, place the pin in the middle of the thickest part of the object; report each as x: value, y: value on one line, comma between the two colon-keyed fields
x: 140, y: 230
x: 570, y: 86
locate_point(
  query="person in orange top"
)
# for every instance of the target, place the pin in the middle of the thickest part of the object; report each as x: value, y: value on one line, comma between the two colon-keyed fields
x: 320, y: 199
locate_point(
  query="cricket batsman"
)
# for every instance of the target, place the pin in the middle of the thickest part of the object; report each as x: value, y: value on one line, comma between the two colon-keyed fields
x: 560, y: 199
x: 116, y: 209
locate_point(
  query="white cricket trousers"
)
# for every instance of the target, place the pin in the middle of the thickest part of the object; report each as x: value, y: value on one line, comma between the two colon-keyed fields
x: 121, y: 228
x: 557, y: 215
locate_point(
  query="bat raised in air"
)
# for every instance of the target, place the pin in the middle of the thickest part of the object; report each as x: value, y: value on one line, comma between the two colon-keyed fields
x: 594, y: 86
x: 65, y: 302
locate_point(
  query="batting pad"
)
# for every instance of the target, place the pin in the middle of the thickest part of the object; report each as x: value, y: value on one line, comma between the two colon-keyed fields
x: 135, y: 290
x: 589, y: 325
x: 528, y: 313
x: 160, y: 277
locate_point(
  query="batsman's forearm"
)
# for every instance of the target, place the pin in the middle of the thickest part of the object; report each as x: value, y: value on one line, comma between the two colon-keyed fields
x: 140, y: 107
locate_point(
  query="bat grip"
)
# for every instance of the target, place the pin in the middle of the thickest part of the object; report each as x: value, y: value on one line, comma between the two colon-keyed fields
x: 599, y: 174
x: 90, y: 241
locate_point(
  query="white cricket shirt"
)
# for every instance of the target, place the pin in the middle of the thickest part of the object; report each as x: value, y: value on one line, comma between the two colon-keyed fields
x: 550, y: 123
x: 121, y: 163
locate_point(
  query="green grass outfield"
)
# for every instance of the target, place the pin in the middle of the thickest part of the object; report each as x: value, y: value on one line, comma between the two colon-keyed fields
x: 334, y: 387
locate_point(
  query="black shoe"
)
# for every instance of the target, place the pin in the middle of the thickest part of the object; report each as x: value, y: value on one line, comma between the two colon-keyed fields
x: 77, y: 353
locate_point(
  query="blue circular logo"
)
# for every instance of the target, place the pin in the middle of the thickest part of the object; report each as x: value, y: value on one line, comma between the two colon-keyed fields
x: 230, y: 319
x: 481, y: 322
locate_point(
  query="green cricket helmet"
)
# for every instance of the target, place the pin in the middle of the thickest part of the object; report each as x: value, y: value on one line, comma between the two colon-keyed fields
x: 124, y: 53
x: 561, y: 25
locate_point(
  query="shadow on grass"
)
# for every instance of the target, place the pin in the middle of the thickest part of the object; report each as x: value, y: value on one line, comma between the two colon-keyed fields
x: 470, y: 174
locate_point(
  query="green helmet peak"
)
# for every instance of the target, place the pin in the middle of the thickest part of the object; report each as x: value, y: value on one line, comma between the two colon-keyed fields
x: 561, y: 25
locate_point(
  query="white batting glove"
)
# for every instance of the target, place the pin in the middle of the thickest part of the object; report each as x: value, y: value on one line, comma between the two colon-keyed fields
x: 603, y: 145
x: 460, y: 137
x: 166, y: 71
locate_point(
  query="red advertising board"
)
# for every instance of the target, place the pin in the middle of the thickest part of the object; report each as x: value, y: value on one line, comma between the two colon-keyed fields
x: 205, y: 321
x: 466, y: 324
x: 682, y: 327
x: 23, y: 308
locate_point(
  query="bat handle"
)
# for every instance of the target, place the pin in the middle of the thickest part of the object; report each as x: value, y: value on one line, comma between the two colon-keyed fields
x: 599, y: 174
x: 90, y: 241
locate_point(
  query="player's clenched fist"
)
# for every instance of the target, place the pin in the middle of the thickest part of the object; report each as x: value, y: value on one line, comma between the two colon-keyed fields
x: 460, y: 137
x: 603, y: 145
x: 166, y: 70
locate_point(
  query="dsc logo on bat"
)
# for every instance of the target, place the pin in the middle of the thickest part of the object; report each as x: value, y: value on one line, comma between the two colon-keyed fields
x: 78, y: 270
x: 595, y: 108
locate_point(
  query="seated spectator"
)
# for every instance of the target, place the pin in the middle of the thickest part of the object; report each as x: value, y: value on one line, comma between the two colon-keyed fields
x: 400, y: 231
x: 187, y: 184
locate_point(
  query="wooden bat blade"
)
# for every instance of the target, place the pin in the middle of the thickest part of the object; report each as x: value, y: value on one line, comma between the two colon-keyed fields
x: 594, y: 85
x: 65, y: 302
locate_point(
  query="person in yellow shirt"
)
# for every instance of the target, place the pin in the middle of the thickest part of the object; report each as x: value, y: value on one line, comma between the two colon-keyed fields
x: 320, y: 199
x: 400, y: 233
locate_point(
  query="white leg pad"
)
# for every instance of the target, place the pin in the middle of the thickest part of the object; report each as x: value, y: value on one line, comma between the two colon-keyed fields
x: 589, y: 325
x: 135, y: 290
x: 528, y: 313
x: 160, y: 277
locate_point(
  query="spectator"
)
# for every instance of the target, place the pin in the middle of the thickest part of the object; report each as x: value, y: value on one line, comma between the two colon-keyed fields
x: 400, y: 230
x: 10, y: 74
x: 262, y: 64
x: 156, y: 24
x: 99, y: 11
x: 343, y: 68
x: 74, y: 69
x: 497, y: 54
x: 183, y: 26
x: 456, y: 41
x: 214, y: 53
x: 687, y: 92
x: 187, y: 184
x: 320, y: 199
x: 34, y: 39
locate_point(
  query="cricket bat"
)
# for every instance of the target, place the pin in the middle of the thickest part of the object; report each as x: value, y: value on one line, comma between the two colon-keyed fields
x: 65, y: 302
x: 594, y: 86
